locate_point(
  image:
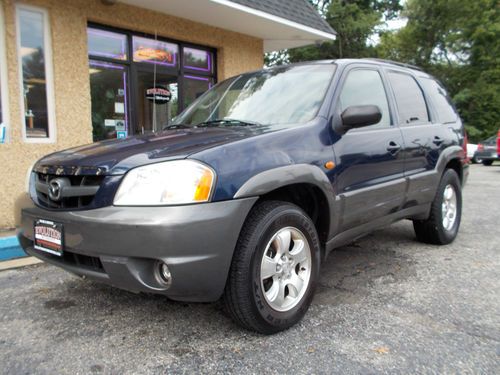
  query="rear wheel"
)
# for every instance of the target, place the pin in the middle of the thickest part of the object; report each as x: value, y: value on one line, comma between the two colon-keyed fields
x: 487, y: 162
x: 441, y: 227
x: 275, y: 268
x: 476, y: 160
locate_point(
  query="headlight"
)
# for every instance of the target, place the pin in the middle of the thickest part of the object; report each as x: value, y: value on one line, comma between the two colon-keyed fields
x: 171, y: 182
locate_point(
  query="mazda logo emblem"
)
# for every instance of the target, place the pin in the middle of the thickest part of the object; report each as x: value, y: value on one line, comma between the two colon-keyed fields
x: 56, y: 188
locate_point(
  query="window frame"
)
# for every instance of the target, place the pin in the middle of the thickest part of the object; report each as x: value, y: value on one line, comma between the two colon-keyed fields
x: 4, y: 84
x: 430, y: 112
x: 49, y: 75
x: 392, y: 109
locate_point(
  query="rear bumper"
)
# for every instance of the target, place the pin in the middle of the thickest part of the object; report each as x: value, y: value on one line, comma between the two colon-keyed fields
x: 122, y: 245
x: 486, y: 155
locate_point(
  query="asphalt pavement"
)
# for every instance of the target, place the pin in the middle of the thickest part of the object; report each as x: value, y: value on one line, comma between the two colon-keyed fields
x: 386, y: 304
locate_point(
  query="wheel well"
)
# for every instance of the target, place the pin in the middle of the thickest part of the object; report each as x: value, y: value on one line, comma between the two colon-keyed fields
x: 308, y: 197
x: 456, y: 166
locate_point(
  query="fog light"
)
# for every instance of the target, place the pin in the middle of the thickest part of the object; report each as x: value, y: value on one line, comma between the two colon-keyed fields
x: 164, y: 275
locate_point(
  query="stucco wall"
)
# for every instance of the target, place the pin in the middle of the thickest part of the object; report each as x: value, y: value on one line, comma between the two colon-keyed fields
x: 68, y: 21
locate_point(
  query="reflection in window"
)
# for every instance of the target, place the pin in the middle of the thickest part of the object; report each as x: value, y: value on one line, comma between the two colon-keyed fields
x: 32, y: 49
x: 155, y: 51
x: 106, y: 44
x: 196, y: 59
x: 194, y: 87
x: 444, y: 106
x: 1, y: 112
x: 365, y: 87
x: 281, y: 95
x: 108, y: 90
x: 409, y: 98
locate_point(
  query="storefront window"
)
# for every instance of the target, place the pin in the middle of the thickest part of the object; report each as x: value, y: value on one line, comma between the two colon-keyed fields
x: 157, y: 101
x: 194, y: 87
x: 196, y: 59
x: 155, y: 51
x: 108, y: 89
x: 141, y: 89
x: 3, y: 83
x: 33, y: 51
x: 107, y: 44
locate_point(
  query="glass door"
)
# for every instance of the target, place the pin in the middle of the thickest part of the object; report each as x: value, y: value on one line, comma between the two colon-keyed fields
x: 156, y: 95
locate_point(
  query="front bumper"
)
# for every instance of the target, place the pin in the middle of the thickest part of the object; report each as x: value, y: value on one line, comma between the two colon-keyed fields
x: 122, y: 245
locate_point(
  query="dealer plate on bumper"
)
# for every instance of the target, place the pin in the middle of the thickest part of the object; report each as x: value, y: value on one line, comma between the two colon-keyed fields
x: 49, y: 237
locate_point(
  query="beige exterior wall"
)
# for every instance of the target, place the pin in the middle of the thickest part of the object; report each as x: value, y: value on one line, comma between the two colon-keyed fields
x: 236, y: 53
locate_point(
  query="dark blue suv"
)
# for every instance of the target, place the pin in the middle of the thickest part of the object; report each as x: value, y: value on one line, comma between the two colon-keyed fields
x: 248, y: 189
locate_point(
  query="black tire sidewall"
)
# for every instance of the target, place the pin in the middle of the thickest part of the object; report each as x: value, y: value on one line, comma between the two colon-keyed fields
x: 286, y: 216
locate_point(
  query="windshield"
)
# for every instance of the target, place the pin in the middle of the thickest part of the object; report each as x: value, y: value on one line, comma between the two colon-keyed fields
x: 282, y: 95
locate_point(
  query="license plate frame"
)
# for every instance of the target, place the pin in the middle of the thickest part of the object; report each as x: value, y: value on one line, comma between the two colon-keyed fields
x: 48, y: 237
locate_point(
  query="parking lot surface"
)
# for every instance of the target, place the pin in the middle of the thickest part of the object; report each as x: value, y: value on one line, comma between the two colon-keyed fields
x: 385, y: 304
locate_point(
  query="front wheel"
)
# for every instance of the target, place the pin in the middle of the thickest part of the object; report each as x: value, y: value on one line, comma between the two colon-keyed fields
x: 441, y: 227
x: 275, y: 268
x: 487, y: 162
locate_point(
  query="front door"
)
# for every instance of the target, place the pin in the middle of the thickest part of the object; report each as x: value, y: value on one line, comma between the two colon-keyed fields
x: 156, y: 96
x: 370, y: 177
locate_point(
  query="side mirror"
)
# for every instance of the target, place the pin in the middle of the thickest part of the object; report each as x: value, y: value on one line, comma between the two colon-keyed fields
x: 357, y: 116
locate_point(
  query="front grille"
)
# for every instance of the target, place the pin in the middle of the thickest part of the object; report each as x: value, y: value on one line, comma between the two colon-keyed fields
x: 72, y: 191
x: 77, y: 260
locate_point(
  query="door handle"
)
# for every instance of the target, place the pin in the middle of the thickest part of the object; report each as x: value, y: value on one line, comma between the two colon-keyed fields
x: 393, y: 147
x: 437, y: 141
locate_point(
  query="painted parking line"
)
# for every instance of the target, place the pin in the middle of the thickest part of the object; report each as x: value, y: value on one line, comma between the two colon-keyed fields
x: 10, y: 248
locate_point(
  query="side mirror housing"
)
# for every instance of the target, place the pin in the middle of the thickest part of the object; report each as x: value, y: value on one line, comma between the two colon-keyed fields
x: 357, y: 116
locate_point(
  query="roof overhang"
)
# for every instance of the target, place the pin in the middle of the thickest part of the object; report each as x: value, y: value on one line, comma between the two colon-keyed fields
x: 277, y: 32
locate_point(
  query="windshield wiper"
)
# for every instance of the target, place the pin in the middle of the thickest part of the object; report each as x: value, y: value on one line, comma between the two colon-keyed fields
x: 176, y: 126
x: 228, y: 122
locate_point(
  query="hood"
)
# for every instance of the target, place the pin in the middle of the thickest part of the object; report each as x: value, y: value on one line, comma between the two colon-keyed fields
x: 115, y: 157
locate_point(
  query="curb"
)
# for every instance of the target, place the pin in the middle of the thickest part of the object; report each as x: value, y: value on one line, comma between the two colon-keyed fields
x: 16, y: 263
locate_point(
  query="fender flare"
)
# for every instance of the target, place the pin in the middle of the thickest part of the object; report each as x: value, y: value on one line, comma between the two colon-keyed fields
x: 272, y: 179
x: 448, y: 154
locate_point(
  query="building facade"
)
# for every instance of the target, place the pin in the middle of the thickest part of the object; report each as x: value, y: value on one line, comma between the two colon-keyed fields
x: 78, y: 71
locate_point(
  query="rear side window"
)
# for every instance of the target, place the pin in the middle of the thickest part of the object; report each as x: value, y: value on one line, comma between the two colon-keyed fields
x: 409, y: 98
x: 365, y: 87
x: 444, y: 107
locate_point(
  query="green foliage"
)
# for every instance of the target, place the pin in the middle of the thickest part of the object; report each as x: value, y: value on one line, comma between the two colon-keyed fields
x: 353, y: 20
x: 458, y: 41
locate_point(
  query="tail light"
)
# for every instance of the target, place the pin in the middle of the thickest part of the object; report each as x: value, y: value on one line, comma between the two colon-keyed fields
x: 464, y: 146
x: 498, y: 144
x: 480, y: 147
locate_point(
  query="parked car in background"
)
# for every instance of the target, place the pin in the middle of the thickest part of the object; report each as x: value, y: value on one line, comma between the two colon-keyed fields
x: 471, y: 150
x: 247, y: 191
x: 487, y: 151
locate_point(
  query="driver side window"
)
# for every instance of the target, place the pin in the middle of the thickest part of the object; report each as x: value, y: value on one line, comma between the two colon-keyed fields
x: 365, y: 87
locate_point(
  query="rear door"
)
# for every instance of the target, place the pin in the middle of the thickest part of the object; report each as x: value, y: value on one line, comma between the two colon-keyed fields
x: 370, y: 168
x: 424, y: 139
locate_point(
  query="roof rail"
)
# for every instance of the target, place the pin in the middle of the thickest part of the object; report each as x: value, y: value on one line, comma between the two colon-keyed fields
x: 394, y: 63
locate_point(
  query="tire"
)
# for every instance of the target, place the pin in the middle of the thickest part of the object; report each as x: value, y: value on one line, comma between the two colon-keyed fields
x: 436, y: 230
x: 487, y: 163
x: 248, y: 297
x: 476, y: 160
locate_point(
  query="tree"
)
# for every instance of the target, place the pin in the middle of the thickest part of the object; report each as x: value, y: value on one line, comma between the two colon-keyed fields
x: 353, y: 20
x: 458, y: 41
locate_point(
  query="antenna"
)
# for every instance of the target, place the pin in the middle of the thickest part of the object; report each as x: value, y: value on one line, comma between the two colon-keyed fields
x: 154, y: 88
